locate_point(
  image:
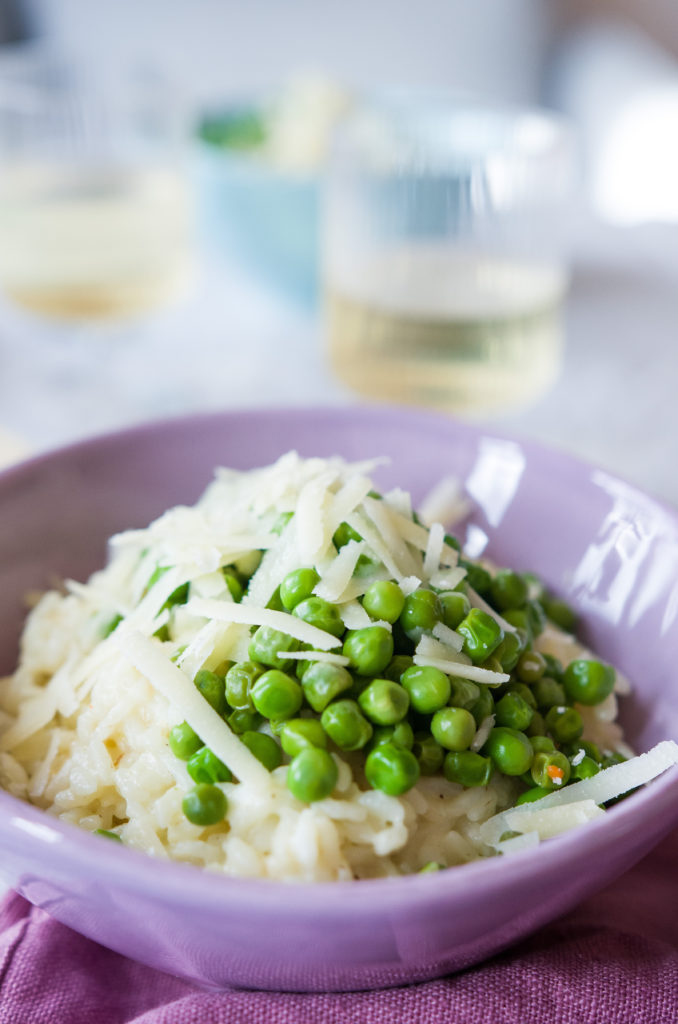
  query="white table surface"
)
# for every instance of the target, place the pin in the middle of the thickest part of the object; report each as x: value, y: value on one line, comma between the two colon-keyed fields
x: 231, y: 344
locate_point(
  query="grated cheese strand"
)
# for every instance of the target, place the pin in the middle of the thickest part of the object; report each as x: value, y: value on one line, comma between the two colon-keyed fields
x: 460, y: 669
x: 385, y: 521
x: 338, y: 574
x: 434, y: 549
x: 606, y: 785
x: 361, y: 525
x: 478, y: 602
x: 247, y: 614
x: 149, y: 659
x: 417, y: 536
x: 448, y: 636
x: 326, y: 656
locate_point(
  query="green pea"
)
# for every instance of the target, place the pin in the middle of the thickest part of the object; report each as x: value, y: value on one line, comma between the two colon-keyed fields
x: 157, y: 573
x: 421, y: 612
x: 264, y: 748
x: 398, y: 664
x: 211, y: 686
x: 428, y: 753
x: 477, y: 578
x: 312, y: 775
x: 322, y: 682
x: 365, y: 566
x: 536, y: 617
x: 564, y: 724
x: 276, y: 695
x: 233, y: 583
x: 343, y: 534
x: 369, y: 650
x: 384, y: 600
x: 391, y: 769
x: 321, y: 614
x: 611, y: 758
x: 298, y: 733
x: 542, y: 744
x: 510, y: 750
x: 346, y: 725
x: 537, y: 726
x: 585, y: 768
x: 453, y: 728
x: 400, y: 734
x: 205, y: 766
x: 384, y: 702
x: 588, y: 682
x: 240, y: 679
x: 513, y: 711
x: 297, y: 586
x: 554, y: 668
x: 560, y: 613
x: 482, y: 635
x: 590, y: 750
x: 508, y: 590
x: 303, y: 664
x: 281, y: 522
x: 455, y: 607
x: 534, y: 585
x: 178, y: 596
x: 550, y: 769
x: 269, y: 646
x: 204, y: 805
x: 464, y: 693
x: 484, y: 706
x: 530, y: 666
x: 248, y: 563
x: 428, y: 688
x: 242, y: 720
x: 183, y: 741
x: 467, y: 768
x: 359, y: 684
x: 275, y: 602
x: 518, y: 618
x: 524, y: 691
x: 508, y: 651
x: 105, y: 631
x: 530, y: 795
x: 548, y: 693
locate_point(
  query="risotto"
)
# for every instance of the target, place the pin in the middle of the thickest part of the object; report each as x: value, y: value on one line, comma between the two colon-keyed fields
x: 300, y: 678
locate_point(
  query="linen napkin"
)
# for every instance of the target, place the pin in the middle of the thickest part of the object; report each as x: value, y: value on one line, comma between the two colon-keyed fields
x: 613, y: 960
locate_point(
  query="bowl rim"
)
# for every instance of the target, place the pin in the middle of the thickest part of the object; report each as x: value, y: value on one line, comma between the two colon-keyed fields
x: 356, y: 409
x: 136, y: 870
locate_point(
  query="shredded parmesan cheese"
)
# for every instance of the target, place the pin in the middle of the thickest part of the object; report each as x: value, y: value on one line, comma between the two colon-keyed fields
x: 478, y: 602
x: 148, y: 658
x: 228, y: 611
x: 464, y: 671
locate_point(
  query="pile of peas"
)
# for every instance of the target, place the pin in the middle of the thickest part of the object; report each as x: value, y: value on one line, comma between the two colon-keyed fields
x: 408, y: 720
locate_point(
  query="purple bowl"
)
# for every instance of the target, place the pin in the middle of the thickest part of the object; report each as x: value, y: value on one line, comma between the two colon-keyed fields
x: 610, y: 549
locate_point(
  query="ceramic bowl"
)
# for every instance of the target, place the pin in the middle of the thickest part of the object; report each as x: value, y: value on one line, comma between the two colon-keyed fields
x: 601, y: 543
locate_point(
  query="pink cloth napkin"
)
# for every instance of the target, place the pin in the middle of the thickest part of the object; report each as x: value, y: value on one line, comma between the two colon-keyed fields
x: 614, y: 960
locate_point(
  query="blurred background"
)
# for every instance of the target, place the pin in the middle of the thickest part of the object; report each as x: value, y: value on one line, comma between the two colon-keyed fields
x: 179, y: 224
